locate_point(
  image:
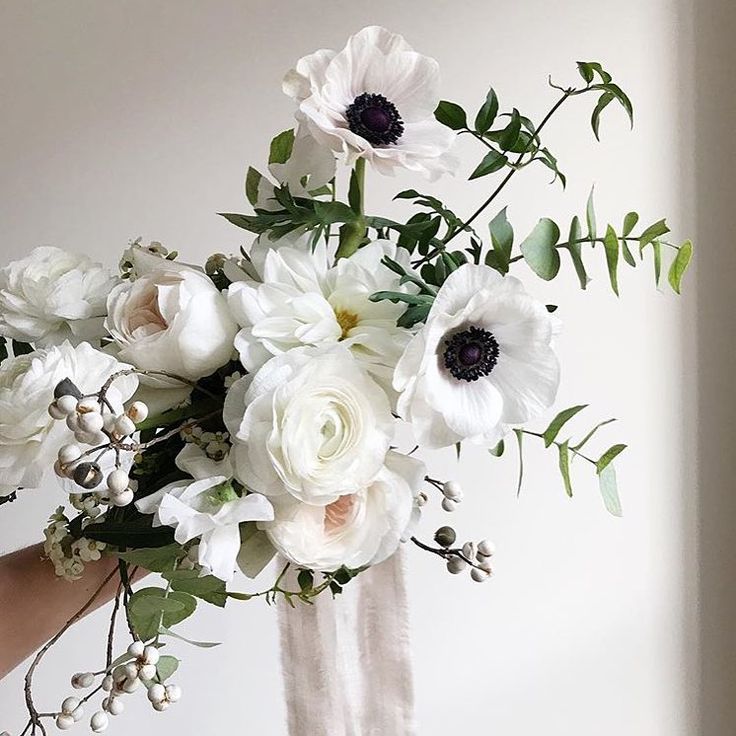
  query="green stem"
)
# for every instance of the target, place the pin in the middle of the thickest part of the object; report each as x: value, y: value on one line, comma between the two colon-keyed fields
x: 353, y: 233
x: 558, y: 444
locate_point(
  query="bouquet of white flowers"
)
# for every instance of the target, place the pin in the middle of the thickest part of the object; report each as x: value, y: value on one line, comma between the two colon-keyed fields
x: 207, y: 419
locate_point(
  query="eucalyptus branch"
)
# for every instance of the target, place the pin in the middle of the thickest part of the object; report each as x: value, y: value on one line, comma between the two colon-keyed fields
x: 540, y: 436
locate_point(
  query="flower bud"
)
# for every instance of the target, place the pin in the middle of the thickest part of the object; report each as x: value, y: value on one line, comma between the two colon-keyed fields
x: 445, y: 536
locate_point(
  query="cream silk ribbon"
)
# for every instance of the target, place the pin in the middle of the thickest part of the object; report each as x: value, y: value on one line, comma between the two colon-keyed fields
x: 346, y: 662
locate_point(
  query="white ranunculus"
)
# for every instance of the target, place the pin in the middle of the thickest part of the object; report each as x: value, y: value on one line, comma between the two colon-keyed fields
x: 483, y: 361
x: 310, y: 424
x: 360, y: 528
x: 52, y: 295
x: 29, y: 438
x: 375, y: 99
x: 171, y: 318
x: 309, y: 168
x: 207, y: 508
x: 304, y: 301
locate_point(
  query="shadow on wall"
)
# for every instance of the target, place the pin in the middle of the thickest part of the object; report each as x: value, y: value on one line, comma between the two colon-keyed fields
x: 714, y: 120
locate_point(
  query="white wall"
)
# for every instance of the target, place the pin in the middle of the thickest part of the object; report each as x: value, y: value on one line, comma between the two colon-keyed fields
x: 139, y: 118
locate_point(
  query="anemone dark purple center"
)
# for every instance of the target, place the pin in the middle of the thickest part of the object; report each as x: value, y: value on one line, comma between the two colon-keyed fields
x: 471, y: 353
x: 373, y: 117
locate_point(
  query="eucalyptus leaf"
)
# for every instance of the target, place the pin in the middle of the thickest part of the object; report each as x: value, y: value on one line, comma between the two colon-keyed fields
x: 611, y: 247
x: 256, y: 551
x: 564, y: 464
x: 202, y: 644
x: 156, y: 559
x: 608, y: 456
x: 151, y: 608
x: 166, y: 667
x: 590, y: 216
x: 539, y: 249
x: 629, y: 223
x: 206, y: 587
x: 652, y: 233
x: 252, y: 180
x: 558, y: 422
x: 679, y: 265
x: 609, y: 490
x: 575, y: 249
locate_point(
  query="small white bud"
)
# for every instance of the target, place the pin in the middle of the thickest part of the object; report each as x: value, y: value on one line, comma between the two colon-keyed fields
x: 124, y: 426
x: 78, y: 714
x: 107, y: 683
x: 99, y: 721
x: 118, y: 674
x: 131, y: 671
x: 151, y: 655
x: 91, y: 422
x: 147, y: 672
x: 69, y: 706
x: 64, y: 722
x: 448, y: 504
x: 421, y: 499
x: 469, y: 550
x: 108, y: 422
x: 69, y: 453
x: 456, y: 565
x: 83, y: 680
x: 452, y: 489
x: 121, y: 499
x: 486, y: 565
x: 88, y: 405
x: 136, y: 649
x: 55, y: 412
x: 118, y: 481
x: 114, y: 706
x: 479, y: 576
x: 67, y: 404
x: 161, y: 705
x: 486, y: 548
x: 173, y: 693
x: 138, y: 411
x: 72, y: 422
x: 157, y: 693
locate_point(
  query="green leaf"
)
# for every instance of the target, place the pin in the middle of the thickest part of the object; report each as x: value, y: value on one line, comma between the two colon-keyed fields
x: 492, y: 161
x: 621, y: 96
x: 539, y: 249
x: 590, y: 216
x: 610, y: 245
x: 558, y: 422
x: 629, y: 223
x: 502, y: 241
x: 576, y: 252
x: 588, y: 70
x: 206, y: 587
x: 252, y: 180
x: 652, y: 233
x: 585, y: 71
x: 679, y: 265
x: 150, y: 608
x: 166, y: 667
x: 156, y: 559
x: 281, y: 147
x: 608, y: 456
x: 256, y: 551
x: 202, y: 644
x: 510, y: 134
x: 354, y: 194
x: 451, y: 115
x: 609, y: 490
x: 603, y: 101
x: 590, y: 434
x: 497, y: 451
x: 520, y: 444
x: 487, y: 113
x: 626, y: 253
x: 305, y: 579
x: 564, y: 463
x: 21, y: 348
x: 657, y: 250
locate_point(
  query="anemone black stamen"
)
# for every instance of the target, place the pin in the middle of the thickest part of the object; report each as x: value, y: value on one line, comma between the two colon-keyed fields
x: 471, y: 354
x: 373, y: 117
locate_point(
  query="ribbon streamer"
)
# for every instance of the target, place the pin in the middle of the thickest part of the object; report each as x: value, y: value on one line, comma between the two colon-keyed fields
x: 347, y: 662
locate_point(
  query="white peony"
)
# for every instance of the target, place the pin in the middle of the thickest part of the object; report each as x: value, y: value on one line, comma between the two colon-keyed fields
x: 313, y: 425
x: 52, y: 295
x: 29, y: 438
x: 302, y: 301
x: 375, y: 99
x: 484, y: 360
x: 360, y: 528
x: 207, y: 508
x: 171, y: 318
x: 309, y: 168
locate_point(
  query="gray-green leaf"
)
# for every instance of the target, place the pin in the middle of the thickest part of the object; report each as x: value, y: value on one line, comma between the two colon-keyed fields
x: 558, y: 422
x: 539, y: 249
x: 610, y: 245
x: 679, y: 265
x: 609, y: 490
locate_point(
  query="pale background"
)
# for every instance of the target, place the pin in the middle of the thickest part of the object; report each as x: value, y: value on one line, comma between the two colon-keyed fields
x: 134, y: 118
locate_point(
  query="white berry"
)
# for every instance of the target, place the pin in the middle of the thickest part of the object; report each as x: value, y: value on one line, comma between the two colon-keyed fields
x: 456, y: 565
x: 55, y: 413
x: 131, y: 671
x: 479, y: 576
x: 69, y: 706
x: 90, y: 422
x: 118, y: 481
x: 130, y: 685
x: 147, y: 672
x: 124, y: 426
x: 82, y: 680
x: 67, y: 404
x: 114, y: 706
x: 173, y: 693
x: 107, y: 683
x: 78, y: 714
x: 64, y: 722
x: 136, y: 649
x: 69, y: 453
x: 88, y: 405
x: 99, y: 721
x: 138, y: 411
x: 448, y: 504
x: 121, y: 499
x: 486, y: 548
x: 469, y: 550
x: 157, y: 693
x: 151, y: 655
x: 453, y: 490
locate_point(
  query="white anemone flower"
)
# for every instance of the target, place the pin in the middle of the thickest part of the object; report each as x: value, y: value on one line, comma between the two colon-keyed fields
x: 375, y: 99
x: 483, y: 361
x: 206, y: 507
x: 302, y: 301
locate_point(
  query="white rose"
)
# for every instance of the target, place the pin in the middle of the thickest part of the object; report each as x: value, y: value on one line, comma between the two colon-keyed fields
x: 29, y: 438
x: 51, y: 296
x: 310, y: 424
x: 357, y: 529
x: 171, y: 318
